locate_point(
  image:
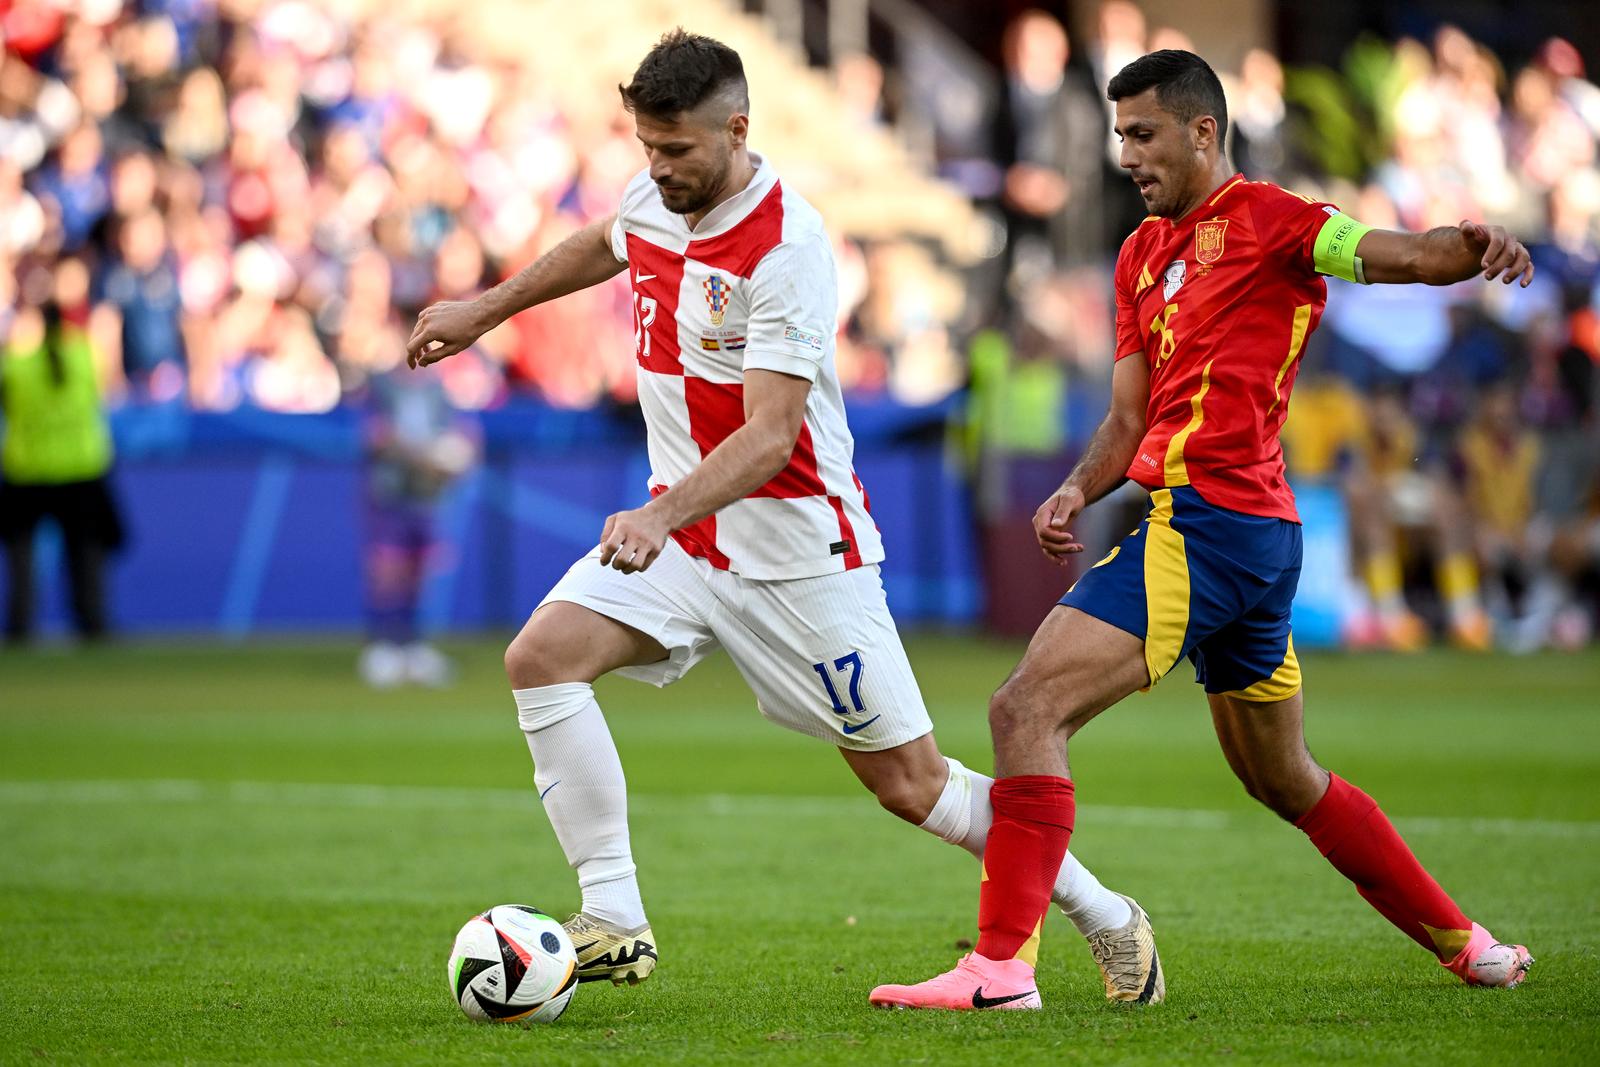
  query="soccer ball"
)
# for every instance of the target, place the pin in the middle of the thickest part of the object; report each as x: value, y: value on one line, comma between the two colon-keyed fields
x: 513, y: 963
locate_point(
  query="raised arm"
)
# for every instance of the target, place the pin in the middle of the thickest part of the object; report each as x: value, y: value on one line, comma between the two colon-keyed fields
x: 1104, y: 465
x: 748, y: 458
x: 582, y: 260
x: 1441, y: 256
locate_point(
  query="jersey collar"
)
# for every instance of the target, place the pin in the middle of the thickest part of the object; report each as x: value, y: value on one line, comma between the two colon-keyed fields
x: 732, y: 211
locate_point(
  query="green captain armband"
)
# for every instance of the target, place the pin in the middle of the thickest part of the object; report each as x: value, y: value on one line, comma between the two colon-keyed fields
x: 1335, y: 251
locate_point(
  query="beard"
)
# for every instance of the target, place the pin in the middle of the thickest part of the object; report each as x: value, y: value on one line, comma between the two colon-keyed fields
x: 690, y: 198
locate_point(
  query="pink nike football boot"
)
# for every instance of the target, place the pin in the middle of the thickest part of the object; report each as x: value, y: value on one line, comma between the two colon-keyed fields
x: 976, y: 983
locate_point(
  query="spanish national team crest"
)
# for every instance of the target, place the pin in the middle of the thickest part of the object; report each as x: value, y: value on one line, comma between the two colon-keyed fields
x: 1208, y: 240
x: 716, y: 298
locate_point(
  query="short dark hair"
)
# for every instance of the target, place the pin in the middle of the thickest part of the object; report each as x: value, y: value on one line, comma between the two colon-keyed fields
x: 680, y: 73
x: 1184, y: 83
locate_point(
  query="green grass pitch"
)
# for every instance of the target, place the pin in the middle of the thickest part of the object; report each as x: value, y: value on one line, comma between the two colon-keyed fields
x: 213, y: 854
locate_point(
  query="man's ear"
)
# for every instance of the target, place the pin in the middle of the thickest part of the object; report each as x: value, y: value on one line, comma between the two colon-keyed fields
x: 738, y: 129
x: 1204, y: 132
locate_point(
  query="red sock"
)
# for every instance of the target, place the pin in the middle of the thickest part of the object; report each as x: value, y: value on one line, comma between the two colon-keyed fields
x: 1029, y: 837
x: 1348, y: 828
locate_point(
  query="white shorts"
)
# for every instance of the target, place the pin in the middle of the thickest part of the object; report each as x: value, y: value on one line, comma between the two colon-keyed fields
x: 821, y: 654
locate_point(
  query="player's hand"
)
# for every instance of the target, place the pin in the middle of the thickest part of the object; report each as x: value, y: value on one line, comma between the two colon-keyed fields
x: 632, y: 540
x: 1503, y: 255
x: 442, y: 330
x: 1050, y: 524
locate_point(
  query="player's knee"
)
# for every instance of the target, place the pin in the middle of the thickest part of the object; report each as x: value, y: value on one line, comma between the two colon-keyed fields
x: 531, y: 662
x: 906, y: 798
x: 1286, y: 792
x: 1011, y: 713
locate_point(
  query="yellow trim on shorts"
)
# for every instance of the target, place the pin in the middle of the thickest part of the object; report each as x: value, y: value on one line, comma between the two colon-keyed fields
x: 1166, y: 587
x: 1284, y: 683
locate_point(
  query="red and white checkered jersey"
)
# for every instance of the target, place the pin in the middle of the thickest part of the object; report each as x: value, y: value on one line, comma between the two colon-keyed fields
x: 752, y: 287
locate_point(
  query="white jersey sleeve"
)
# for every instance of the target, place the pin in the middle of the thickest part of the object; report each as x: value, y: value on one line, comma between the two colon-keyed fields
x: 794, y: 305
x: 619, y: 238
x: 637, y: 197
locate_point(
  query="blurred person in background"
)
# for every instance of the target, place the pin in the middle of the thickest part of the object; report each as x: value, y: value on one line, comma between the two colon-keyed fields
x: 1048, y: 140
x: 417, y: 445
x: 22, y: 219
x: 55, y: 456
x: 35, y: 111
x: 78, y: 182
x: 141, y: 285
x: 1404, y: 507
x: 1120, y: 38
x: 1496, y: 464
x: 1394, y: 344
x: 1260, y: 141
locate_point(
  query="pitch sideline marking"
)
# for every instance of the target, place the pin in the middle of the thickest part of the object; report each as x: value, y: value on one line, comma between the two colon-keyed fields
x: 349, y: 795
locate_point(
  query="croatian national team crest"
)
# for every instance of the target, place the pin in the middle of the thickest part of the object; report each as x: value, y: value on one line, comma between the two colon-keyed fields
x: 716, y: 298
x: 1208, y: 240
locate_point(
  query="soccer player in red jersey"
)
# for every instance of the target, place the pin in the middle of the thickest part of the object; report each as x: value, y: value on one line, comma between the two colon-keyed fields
x: 1216, y: 292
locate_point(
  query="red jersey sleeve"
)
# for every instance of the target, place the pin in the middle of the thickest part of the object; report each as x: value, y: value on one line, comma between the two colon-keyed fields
x: 1129, y: 337
x: 1287, y: 225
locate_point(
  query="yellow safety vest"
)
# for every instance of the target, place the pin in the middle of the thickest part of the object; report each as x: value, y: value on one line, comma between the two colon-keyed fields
x: 55, y: 433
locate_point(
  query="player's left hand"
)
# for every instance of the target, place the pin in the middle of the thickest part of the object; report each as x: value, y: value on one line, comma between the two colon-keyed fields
x: 1050, y: 524
x: 633, y: 539
x: 1503, y: 255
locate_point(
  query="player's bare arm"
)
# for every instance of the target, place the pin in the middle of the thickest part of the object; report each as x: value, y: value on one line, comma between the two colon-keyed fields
x: 774, y: 409
x: 582, y: 260
x: 1444, y: 255
x: 1105, y: 462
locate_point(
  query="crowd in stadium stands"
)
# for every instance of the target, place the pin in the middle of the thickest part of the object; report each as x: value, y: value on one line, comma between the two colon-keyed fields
x: 245, y: 202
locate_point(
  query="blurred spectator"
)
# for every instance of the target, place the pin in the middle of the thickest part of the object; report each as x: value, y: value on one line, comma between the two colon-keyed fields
x: 22, y: 220
x: 1547, y: 138
x: 416, y: 447
x: 55, y: 456
x: 1257, y: 112
x: 1120, y: 39
x: 141, y: 284
x: 1047, y: 139
x: 1496, y: 462
x: 859, y: 81
x: 35, y: 111
x: 78, y: 183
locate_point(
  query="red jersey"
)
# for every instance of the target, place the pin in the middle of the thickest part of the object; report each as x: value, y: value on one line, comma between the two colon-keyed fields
x: 1220, y: 303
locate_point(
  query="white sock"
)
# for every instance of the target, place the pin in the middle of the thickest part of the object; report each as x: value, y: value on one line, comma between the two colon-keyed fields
x: 963, y: 815
x: 579, y: 777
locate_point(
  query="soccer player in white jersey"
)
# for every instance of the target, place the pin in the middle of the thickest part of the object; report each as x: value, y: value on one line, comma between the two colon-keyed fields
x: 757, y: 536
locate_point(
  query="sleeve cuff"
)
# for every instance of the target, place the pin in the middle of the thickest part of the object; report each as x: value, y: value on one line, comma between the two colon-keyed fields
x: 619, y: 241
x: 798, y: 366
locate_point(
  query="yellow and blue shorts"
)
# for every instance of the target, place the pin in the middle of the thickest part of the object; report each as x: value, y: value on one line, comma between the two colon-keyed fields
x: 1208, y: 583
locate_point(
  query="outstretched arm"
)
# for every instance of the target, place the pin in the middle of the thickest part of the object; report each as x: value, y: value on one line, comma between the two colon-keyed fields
x: 582, y: 260
x: 1104, y: 465
x: 1439, y: 257
x: 748, y: 458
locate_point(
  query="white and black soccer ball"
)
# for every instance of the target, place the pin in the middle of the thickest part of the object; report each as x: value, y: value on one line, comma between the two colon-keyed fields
x: 513, y: 963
